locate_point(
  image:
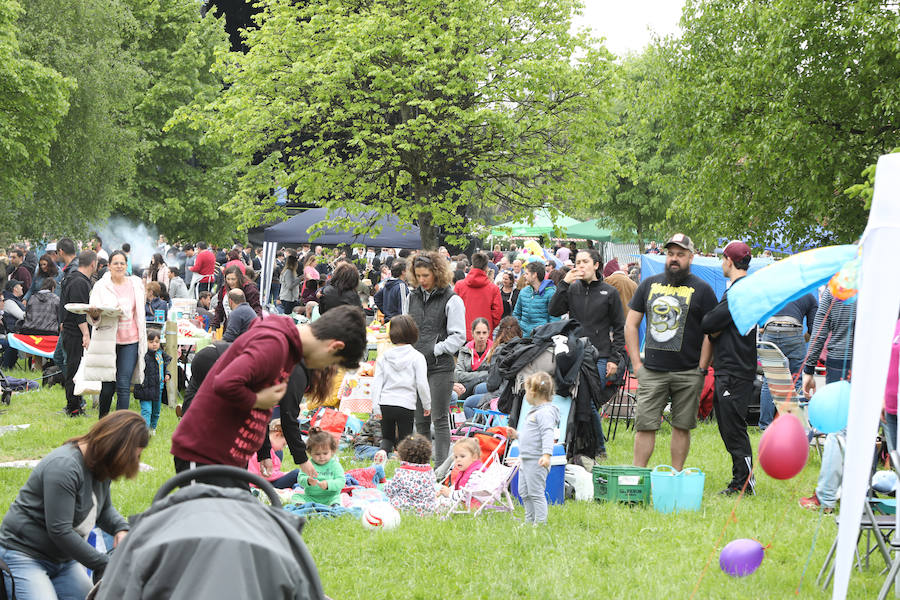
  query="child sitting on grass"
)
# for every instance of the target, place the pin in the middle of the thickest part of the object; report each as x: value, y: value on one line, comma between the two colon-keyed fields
x: 326, y: 486
x: 466, y: 463
x: 155, y: 377
x: 536, y: 446
x: 412, y: 486
x: 276, y: 477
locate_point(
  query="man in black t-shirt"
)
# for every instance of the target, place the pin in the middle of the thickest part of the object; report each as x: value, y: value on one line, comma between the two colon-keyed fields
x: 676, y: 353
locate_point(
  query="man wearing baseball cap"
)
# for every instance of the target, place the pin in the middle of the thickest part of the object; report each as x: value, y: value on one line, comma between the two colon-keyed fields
x: 734, y: 356
x: 676, y: 352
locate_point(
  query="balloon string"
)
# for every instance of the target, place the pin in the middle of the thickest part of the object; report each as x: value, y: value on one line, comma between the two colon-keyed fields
x: 732, y: 518
x: 812, y: 549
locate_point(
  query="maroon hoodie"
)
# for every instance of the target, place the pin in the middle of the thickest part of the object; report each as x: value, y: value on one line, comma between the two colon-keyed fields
x: 481, y: 298
x: 222, y: 427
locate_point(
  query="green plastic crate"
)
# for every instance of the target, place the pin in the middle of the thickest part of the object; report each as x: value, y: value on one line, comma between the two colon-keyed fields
x: 621, y: 484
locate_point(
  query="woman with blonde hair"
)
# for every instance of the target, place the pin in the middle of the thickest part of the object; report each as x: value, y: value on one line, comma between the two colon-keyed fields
x: 441, y: 317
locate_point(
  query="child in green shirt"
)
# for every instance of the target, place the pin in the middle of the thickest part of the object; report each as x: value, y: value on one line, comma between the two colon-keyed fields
x: 326, y: 487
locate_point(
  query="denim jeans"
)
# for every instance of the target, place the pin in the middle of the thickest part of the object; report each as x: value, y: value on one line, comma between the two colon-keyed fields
x: 150, y: 411
x: 43, y: 579
x: 126, y: 359
x: 59, y: 355
x: 793, y: 346
x: 475, y: 400
x: 598, y: 422
x: 832, y: 469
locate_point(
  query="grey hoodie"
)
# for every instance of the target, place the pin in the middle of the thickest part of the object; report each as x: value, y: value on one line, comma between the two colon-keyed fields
x: 536, y: 435
x: 401, y: 375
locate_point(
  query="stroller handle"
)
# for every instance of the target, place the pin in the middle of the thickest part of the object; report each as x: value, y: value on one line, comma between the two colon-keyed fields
x: 218, y: 471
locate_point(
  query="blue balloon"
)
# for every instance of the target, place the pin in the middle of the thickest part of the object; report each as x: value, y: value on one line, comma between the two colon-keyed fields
x: 829, y: 407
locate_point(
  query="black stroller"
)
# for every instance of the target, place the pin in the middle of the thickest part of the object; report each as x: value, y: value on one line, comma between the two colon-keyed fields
x: 206, y: 542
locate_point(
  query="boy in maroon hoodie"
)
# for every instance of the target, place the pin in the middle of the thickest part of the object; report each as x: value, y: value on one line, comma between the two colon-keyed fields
x: 230, y: 413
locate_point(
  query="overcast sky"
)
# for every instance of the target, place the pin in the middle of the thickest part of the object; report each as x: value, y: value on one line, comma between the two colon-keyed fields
x: 627, y: 24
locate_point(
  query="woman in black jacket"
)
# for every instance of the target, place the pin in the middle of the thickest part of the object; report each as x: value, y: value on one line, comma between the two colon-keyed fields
x: 341, y: 288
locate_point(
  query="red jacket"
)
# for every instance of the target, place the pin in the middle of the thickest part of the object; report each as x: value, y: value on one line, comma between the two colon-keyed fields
x: 205, y: 265
x: 222, y: 427
x: 481, y: 298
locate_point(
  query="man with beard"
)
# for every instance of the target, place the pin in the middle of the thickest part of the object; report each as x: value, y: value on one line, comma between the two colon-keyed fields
x: 676, y: 353
x: 734, y: 356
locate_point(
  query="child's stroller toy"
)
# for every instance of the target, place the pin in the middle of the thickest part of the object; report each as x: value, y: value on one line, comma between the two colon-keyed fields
x: 205, y: 542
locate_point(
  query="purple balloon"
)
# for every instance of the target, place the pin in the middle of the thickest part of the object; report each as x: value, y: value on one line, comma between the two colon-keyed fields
x: 741, y: 557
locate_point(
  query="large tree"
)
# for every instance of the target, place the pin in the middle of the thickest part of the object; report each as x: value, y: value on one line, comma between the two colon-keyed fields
x: 646, y: 166
x: 419, y: 108
x: 91, y: 162
x: 779, y: 105
x: 33, y: 99
x: 179, y: 181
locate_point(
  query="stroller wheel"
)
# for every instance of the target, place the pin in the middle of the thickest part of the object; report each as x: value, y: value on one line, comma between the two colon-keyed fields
x: 6, y: 397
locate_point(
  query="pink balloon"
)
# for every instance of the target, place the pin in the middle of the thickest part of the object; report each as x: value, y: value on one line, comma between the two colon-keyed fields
x: 784, y: 447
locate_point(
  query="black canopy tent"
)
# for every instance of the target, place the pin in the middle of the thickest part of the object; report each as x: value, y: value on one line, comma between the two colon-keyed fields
x: 299, y: 230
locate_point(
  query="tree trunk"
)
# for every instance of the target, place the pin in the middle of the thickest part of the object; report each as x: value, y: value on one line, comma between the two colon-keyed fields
x: 640, y: 236
x: 427, y: 232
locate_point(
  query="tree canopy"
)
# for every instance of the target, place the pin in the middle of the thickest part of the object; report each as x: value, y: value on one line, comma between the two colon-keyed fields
x: 419, y: 108
x: 777, y: 107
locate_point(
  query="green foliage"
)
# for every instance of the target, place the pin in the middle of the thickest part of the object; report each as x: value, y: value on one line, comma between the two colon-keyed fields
x: 778, y: 106
x: 179, y: 181
x: 33, y: 99
x: 415, y: 108
x: 91, y: 161
x: 637, y: 202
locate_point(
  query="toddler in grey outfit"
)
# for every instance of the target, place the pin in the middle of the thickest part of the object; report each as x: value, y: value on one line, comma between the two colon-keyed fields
x: 536, y: 433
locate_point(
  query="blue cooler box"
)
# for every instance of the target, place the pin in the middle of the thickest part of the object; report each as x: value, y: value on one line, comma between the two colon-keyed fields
x: 556, y: 480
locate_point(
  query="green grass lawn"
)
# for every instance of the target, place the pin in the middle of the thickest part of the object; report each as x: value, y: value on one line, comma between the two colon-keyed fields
x: 589, y: 550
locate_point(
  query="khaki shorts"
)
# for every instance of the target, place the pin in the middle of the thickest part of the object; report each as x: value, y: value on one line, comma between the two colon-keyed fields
x: 657, y: 388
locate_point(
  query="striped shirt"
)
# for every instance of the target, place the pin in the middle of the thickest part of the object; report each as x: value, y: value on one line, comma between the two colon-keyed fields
x: 837, y: 318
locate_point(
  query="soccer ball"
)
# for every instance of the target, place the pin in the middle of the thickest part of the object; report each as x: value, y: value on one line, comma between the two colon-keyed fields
x: 380, y: 515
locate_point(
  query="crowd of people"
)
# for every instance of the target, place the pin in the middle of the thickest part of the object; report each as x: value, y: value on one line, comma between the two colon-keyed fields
x: 454, y: 322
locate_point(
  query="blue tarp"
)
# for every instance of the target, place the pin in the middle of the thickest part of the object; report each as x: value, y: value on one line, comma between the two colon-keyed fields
x: 707, y: 268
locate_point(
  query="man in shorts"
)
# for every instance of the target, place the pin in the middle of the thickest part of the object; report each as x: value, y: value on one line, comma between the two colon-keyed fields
x: 676, y: 353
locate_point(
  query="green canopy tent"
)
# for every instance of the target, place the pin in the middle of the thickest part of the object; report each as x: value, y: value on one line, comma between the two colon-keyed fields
x: 544, y: 224
x: 589, y: 230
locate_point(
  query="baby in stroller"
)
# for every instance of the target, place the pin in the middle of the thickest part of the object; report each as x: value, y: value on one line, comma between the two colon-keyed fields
x: 466, y: 464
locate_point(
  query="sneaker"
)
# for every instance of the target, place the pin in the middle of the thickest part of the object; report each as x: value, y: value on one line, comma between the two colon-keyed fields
x: 734, y: 491
x: 78, y: 412
x: 812, y: 503
x: 380, y: 458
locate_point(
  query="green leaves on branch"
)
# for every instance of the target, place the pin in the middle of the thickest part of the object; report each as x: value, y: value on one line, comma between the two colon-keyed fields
x: 431, y: 110
x: 777, y: 107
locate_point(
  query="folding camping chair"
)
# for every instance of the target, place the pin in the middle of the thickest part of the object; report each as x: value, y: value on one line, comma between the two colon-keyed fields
x: 781, y: 384
x: 881, y: 527
x: 894, y: 569
x: 621, y: 406
x: 489, y: 490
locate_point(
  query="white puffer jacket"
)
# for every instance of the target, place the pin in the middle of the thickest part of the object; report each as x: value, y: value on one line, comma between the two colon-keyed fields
x: 99, y: 361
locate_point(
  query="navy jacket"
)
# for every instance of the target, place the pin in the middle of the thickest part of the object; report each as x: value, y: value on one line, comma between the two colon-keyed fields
x: 149, y: 390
